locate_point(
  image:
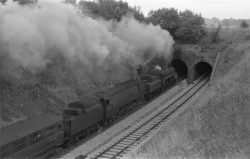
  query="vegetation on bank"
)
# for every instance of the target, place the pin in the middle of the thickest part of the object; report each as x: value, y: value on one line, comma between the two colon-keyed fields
x: 218, y: 124
x: 185, y: 26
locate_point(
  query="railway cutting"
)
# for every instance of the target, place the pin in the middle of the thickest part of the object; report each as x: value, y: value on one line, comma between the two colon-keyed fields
x: 125, y: 142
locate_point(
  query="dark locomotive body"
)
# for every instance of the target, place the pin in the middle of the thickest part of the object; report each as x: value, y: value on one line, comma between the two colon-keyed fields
x: 32, y: 137
x: 158, y: 80
x: 117, y: 99
x: 81, y: 115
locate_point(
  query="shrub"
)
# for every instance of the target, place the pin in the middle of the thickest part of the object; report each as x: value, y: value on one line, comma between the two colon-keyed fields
x: 244, y: 24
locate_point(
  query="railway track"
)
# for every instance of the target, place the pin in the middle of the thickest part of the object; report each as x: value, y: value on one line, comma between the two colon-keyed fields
x: 58, y: 152
x: 125, y: 142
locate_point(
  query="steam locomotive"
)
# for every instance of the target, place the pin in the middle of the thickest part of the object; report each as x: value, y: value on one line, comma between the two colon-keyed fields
x: 32, y: 137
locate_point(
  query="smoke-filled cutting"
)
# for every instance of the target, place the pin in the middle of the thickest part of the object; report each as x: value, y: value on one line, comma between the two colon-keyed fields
x: 32, y: 38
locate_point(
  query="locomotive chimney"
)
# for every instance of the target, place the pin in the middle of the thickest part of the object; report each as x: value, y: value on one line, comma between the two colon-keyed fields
x: 140, y: 70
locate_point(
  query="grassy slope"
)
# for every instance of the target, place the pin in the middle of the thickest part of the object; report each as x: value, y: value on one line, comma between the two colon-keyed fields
x: 218, y: 125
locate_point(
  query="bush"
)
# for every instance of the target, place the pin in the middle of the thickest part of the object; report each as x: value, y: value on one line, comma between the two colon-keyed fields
x: 244, y: 24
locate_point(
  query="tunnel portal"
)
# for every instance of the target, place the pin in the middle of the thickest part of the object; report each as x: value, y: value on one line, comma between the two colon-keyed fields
x: 200, y: 68
x: 180, y: 67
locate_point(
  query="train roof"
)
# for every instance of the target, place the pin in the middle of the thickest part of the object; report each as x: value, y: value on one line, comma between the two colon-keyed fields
x: 85, y: 102
x: 118, y: 88
x: 23, y: 128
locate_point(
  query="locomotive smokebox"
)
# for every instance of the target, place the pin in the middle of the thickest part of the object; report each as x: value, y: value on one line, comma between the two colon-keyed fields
x: 140, y: 70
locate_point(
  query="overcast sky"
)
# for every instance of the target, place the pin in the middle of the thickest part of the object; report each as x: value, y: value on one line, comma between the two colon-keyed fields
x: 222, y: 9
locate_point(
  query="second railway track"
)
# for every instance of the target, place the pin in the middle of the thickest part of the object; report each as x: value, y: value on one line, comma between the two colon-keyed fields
x: 124, y: 142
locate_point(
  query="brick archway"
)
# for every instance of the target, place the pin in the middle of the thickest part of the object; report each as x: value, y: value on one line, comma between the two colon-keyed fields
x: 201, y: 67
x: 194, y: 66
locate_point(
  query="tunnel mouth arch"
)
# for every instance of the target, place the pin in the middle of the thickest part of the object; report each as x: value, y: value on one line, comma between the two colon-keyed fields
x: 201, y: 67
x: 180, y: 67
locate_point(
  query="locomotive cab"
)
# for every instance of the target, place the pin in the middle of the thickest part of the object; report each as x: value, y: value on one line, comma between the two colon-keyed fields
x: 106, y: 103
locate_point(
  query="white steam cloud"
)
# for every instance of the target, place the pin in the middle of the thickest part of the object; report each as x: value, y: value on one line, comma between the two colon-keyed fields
x: 32, y: 37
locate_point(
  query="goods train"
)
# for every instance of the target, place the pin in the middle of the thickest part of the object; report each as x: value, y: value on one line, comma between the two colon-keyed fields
x: 35, y: 136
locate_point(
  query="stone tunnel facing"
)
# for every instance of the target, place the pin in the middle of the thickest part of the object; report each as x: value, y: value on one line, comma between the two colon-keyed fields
x: 180, y: 67
x: 200, y: 68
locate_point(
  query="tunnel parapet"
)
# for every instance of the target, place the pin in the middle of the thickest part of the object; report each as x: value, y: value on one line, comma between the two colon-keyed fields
x: 195, y: 62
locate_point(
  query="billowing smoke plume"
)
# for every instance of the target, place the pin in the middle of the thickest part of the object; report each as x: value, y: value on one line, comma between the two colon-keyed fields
x: 33, y: 37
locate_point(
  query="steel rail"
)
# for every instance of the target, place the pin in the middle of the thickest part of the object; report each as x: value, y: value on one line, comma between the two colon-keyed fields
x: 50, y: 151
x: 122, y: 145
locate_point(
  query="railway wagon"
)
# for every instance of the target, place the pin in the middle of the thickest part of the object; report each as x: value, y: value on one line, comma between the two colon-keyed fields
x: 80, y: 117
x: 31, y: 137
x: 121, y: 97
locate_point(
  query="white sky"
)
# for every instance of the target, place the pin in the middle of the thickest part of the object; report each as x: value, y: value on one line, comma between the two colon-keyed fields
x: 222, y: 9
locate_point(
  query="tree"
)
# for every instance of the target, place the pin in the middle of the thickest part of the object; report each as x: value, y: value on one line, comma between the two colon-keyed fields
x: 137, y: 13
x: 191, y: 28
x: 168, y: 19
x: 186, y: 26
x: 110, y: 9
x: 244, y: 24
x: 215, y: 20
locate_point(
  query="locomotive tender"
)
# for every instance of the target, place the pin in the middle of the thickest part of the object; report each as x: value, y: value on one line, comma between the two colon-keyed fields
x: 31, y: 137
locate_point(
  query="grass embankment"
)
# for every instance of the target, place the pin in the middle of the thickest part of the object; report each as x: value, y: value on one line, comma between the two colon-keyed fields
x: 218, y: 124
